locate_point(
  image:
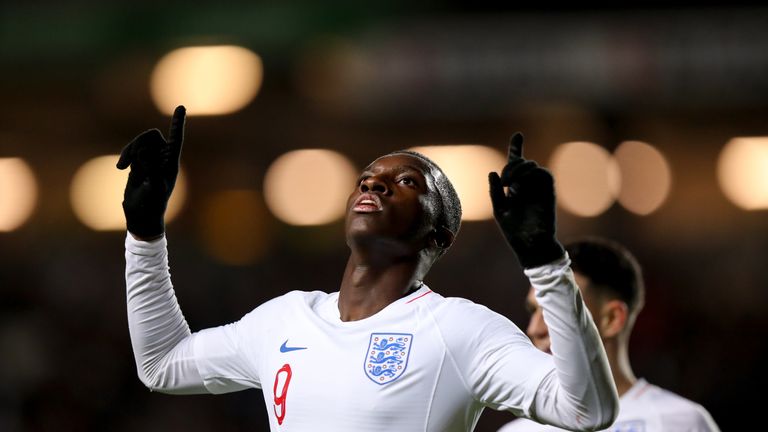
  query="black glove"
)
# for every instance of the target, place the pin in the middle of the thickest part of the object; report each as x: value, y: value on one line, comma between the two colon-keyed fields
x: 526, y: 212
x: 154, y: 166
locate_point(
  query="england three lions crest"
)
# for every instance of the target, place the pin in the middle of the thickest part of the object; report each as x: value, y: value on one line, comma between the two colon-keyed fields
x: 387, y: 356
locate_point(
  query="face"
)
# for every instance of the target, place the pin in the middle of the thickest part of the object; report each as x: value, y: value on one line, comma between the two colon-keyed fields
x: 537, y: 329
x: 394, y: 199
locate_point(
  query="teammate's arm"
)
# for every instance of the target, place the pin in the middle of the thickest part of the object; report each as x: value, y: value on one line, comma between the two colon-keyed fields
x: 580, y: 393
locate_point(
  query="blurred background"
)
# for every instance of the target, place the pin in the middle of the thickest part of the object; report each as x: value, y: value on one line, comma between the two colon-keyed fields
x: 651, y: 115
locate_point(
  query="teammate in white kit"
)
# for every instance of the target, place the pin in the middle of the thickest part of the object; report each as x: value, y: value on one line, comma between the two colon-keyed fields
x: 385, y: 352
x: 612, y: 285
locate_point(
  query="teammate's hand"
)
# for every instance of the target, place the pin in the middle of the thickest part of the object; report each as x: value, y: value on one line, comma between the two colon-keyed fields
x: 154, y: 166
x: 526, y: 211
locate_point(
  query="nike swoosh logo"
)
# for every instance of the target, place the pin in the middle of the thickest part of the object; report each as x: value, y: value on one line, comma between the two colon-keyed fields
x: 285, y: 349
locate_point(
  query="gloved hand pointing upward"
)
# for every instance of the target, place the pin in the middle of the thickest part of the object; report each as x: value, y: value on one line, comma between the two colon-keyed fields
x: 526, y: 212
x: 154, y: 166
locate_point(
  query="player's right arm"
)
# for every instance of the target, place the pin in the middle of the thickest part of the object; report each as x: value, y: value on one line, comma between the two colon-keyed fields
x: 168, y: 356
x: 171, y: 359
x: 160, y: 337
x: 159, y: 333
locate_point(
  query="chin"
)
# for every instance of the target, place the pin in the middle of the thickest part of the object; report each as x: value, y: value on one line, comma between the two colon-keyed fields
x: 362, y: 226
x: 359, y: 231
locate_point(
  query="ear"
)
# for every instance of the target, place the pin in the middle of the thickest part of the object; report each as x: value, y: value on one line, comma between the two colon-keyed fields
x: 613, y: 318
x: 441, y: 237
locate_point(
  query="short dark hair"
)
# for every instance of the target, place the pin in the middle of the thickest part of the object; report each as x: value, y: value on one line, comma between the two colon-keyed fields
x: 449, y: 211
x: 611, y: 269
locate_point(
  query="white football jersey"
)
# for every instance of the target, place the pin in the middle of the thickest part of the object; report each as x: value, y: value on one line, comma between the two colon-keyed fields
x: 644, y: 408
x: 423, y: 363
x: 419, y: 364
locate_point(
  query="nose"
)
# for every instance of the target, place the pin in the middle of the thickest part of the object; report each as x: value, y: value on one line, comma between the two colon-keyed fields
x: 374, y: 184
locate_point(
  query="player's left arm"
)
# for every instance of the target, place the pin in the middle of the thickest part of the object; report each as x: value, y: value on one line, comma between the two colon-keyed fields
x: 580, y: 392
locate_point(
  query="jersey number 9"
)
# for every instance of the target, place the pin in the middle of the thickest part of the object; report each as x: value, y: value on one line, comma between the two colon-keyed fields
x: 285, y: 373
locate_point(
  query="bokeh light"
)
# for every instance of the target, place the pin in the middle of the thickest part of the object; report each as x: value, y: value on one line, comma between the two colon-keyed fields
x: 96, y: 194
x: 742, y: 170
x: 467, y: 166
x: 234, y: 226
x: 587, y: 178
x: 207, y: 80
x: 309, y: 187
x: 645, y: 177
x: 18, y: 193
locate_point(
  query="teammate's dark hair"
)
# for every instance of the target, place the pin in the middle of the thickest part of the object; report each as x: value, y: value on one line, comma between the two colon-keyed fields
x: 449, y: 211
x: 611, y: 269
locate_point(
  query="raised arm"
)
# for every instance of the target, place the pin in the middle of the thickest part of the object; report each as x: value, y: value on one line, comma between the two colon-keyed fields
x: 162, y: 343
x: 580, y: 394
x: 161, y: 339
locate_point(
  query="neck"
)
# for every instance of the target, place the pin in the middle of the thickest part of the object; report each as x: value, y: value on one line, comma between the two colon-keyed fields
x: 368, y: 286
x: 618, y: 357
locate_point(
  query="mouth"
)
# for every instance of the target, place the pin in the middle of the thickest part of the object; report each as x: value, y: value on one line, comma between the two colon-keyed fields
x: 367, y: 203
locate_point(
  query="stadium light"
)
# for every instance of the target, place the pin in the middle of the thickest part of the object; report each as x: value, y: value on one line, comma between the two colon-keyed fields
x: 18, y: 193
x: 208, y: 80
x: 587, y: 178
x: 309, y: 187
x: 742, y: 171
x: 646, y: 178
x: 467, y: 166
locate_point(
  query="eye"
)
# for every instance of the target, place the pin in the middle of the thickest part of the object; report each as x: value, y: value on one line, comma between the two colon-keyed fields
x: 408, y: 181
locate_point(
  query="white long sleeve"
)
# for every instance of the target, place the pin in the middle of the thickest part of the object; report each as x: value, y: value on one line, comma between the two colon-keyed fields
x: 161, y: 339
x: 580, y: 394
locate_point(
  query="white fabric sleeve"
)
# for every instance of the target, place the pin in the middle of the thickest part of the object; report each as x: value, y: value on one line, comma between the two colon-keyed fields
x: 226, y: 359
x: 580, y: 393
x: 160, y: 336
